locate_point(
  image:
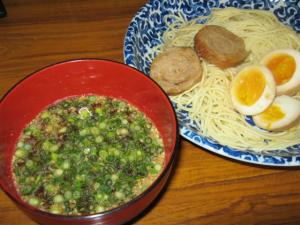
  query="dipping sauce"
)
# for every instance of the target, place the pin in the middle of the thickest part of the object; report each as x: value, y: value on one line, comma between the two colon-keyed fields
x: 85, y: 155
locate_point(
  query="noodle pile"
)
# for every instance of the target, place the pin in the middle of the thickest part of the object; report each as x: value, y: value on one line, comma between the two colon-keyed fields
x: 208, y: 103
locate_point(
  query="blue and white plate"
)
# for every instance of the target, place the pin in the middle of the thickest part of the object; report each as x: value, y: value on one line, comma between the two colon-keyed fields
x: 145, y: 31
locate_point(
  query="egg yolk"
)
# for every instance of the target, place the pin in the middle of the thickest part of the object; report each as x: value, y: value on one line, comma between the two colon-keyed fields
x: 250, y: 86
x: 272, y: 114
x: 283, y: 67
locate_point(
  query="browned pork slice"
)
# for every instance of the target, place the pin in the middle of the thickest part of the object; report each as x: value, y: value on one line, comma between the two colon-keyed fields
x: 176, y: 69
x: 220, y: 46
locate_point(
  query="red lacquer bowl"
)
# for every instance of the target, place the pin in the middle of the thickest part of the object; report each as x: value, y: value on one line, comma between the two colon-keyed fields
x: 80, y: 77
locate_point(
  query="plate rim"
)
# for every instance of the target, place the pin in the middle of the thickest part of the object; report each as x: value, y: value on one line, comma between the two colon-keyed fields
x: 210, y: 149
x: 286, y: 161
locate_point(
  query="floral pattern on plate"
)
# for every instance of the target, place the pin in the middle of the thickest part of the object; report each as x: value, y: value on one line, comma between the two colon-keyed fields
x: 145, y: 32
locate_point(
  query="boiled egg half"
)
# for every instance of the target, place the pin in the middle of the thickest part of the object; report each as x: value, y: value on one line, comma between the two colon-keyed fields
x: 285, y: 67
x: 282, y: 114
x: 253, y: 90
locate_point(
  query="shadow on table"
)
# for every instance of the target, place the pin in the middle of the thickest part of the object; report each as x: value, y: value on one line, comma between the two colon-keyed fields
x: 2, y: 10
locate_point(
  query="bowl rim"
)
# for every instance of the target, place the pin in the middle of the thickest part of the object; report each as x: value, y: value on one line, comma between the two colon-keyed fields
x: 176, y: 148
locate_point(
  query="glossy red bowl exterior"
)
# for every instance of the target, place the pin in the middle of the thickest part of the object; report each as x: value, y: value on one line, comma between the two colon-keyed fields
x: 80, y: 77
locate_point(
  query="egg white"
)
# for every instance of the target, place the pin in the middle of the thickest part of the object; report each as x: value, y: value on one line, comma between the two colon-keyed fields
x: 264, y: 100
x: 291, y: 109
x: 293, y: 85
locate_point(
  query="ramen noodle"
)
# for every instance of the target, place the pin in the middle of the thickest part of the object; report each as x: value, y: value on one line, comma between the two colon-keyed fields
x: 208, y: 102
